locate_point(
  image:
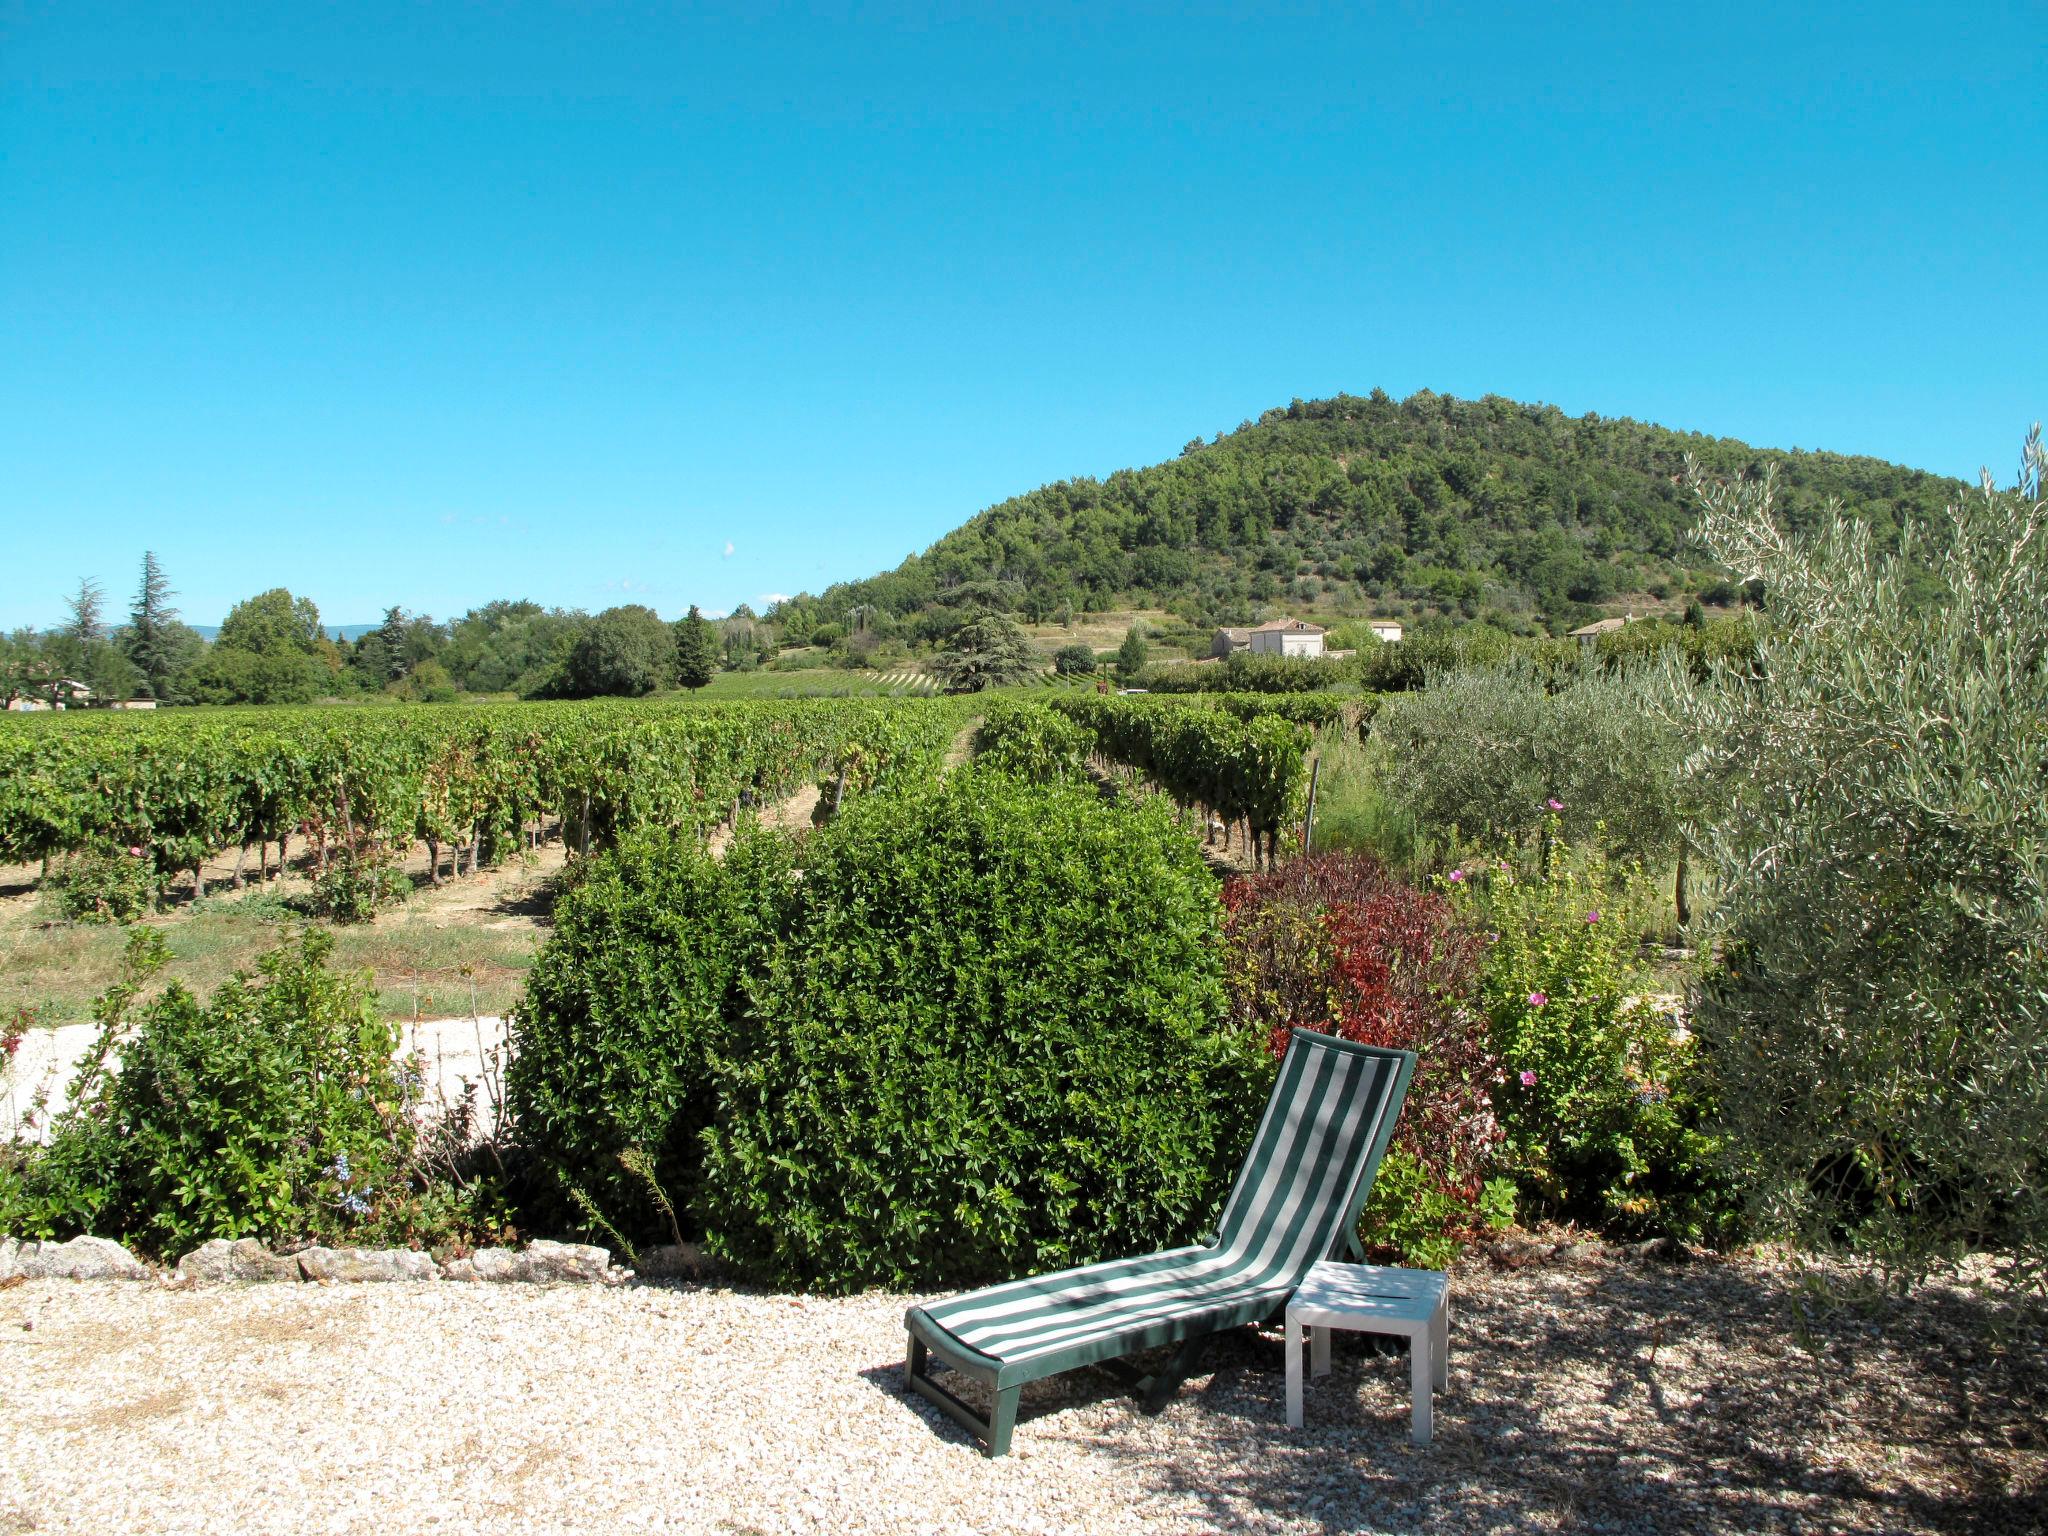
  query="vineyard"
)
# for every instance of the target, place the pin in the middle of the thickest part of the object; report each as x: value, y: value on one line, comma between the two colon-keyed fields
x: 1241, y: 757
x: 472, y: 782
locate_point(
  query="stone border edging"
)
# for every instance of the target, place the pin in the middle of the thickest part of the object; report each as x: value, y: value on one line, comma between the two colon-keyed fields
x: 247, y: 1261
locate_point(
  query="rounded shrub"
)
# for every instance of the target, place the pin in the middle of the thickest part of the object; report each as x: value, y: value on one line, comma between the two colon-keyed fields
x: 107, y: 885
x: 1336, y: 943
x: 273, y: 1109
x: 990, y: 1043
x: 1601, y: 1099
x: 652, y: 945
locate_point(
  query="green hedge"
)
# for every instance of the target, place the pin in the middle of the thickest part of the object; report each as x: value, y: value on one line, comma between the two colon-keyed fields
x: 979, y: 1034
x: 651, y: 949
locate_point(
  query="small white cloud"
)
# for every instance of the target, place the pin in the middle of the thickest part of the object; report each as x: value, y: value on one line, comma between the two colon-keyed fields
x: 710, y: 613
x: 769, y: 599
x: 728, y: 549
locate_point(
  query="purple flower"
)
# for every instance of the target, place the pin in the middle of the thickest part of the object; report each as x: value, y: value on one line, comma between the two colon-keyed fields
x: 1457, y: 874
x: 1555, y: 804
x: 1528, y: 1078
x: 1538, y: 999
x: 1592, y: 917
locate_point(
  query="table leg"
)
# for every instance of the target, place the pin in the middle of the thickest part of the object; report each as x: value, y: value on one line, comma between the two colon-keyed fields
x: 1440, y: 1344
x: 1319, y: 1351
x: 1421, y: 1372
x: 1293, y: 1373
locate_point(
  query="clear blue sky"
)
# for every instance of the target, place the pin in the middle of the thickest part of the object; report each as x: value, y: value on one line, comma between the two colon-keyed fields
x: 593, y: 304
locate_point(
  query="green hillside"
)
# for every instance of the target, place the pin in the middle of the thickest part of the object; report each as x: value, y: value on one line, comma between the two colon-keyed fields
x: 1429, y: 505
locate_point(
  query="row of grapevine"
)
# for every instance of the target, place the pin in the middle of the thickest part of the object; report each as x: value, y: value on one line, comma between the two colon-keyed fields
x: 1250, y: 771
x: 181, y: 787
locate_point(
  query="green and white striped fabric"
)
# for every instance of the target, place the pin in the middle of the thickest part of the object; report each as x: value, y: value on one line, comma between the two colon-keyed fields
x: 1296, y: 1199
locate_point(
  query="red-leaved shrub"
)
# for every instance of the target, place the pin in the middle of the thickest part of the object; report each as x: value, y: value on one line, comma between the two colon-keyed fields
x: 1335, y: 943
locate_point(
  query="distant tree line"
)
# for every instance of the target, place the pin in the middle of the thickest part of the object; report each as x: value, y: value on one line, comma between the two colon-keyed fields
x: 273, y: 649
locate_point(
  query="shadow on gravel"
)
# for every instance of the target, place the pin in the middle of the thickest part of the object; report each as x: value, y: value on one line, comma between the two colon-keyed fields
x: 1656, y: 1398
x: 1640, y: 1398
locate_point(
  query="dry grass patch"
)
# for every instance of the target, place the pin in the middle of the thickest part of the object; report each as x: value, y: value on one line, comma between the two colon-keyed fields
x: 460, y: 946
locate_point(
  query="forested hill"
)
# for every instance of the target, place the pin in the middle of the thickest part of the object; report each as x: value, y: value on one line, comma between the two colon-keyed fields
x: 1367, y: 504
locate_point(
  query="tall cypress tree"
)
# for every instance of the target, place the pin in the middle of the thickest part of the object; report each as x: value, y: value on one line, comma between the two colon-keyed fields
x: 148, y: 641
x: 696, y: 650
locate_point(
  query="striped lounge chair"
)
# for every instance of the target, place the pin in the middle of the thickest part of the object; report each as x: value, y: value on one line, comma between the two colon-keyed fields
x: 1297, y: 1200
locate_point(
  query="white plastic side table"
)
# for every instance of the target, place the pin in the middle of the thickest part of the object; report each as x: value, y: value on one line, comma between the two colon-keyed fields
x: 1370, y: 1298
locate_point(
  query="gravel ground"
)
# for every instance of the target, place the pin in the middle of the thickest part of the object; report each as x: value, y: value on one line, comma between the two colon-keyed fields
x: 1592, y: 1395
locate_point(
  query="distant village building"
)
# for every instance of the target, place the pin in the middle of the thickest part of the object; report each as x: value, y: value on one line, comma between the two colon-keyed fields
x: 1292, y: 637
x: 1229, y: 641
x: 1287, y: 637
x: 1589, y: 634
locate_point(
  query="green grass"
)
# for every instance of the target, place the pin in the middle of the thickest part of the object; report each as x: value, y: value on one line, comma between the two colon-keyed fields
x: 1353, y: 815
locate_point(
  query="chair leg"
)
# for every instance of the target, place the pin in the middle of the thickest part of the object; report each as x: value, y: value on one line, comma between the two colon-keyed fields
x: 1001, y: 1420
x: 993, y: 1432
x: 1293, y: 1374
x: 1421, y: 1375
x: 1440, y: 1344
x: 1319, y: 1351
x: 1167, y: 1379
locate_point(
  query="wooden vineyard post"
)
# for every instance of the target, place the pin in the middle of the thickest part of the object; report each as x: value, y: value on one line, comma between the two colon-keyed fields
x: 1308, y: 822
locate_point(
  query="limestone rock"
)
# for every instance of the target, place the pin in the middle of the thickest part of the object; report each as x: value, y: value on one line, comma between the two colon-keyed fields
x: 221, y: 1262
x: 366, y: 1264
x: 539, y: 1263
x: 567, y: 1263
x: 8, y: 1249
x: 82, y: 1258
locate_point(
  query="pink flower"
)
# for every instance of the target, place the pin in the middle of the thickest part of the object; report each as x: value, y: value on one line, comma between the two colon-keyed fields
x: 1457, y: 874
x: 134, y: 852
x: 1555, y: 805
x: 1528, y: 1078
x: 1538, y: 999
x: 1592, y: 917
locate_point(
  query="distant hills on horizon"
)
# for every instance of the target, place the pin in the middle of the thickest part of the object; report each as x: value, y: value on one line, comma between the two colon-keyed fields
x: 1362, y: 505
x: 1426, y: 506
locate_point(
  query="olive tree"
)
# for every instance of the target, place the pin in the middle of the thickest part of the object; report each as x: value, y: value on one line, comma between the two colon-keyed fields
x: 1880, y: 846
x: 1500, y: 754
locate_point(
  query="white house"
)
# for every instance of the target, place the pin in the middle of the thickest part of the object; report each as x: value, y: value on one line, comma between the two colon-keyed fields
x: 1589, y: 634
x: 1387, y: 631
x: 1287, y: 637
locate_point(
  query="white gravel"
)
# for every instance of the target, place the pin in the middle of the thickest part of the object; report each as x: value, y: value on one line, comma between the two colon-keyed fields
x: 454, y: 1050
x: 1598, y: 1396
